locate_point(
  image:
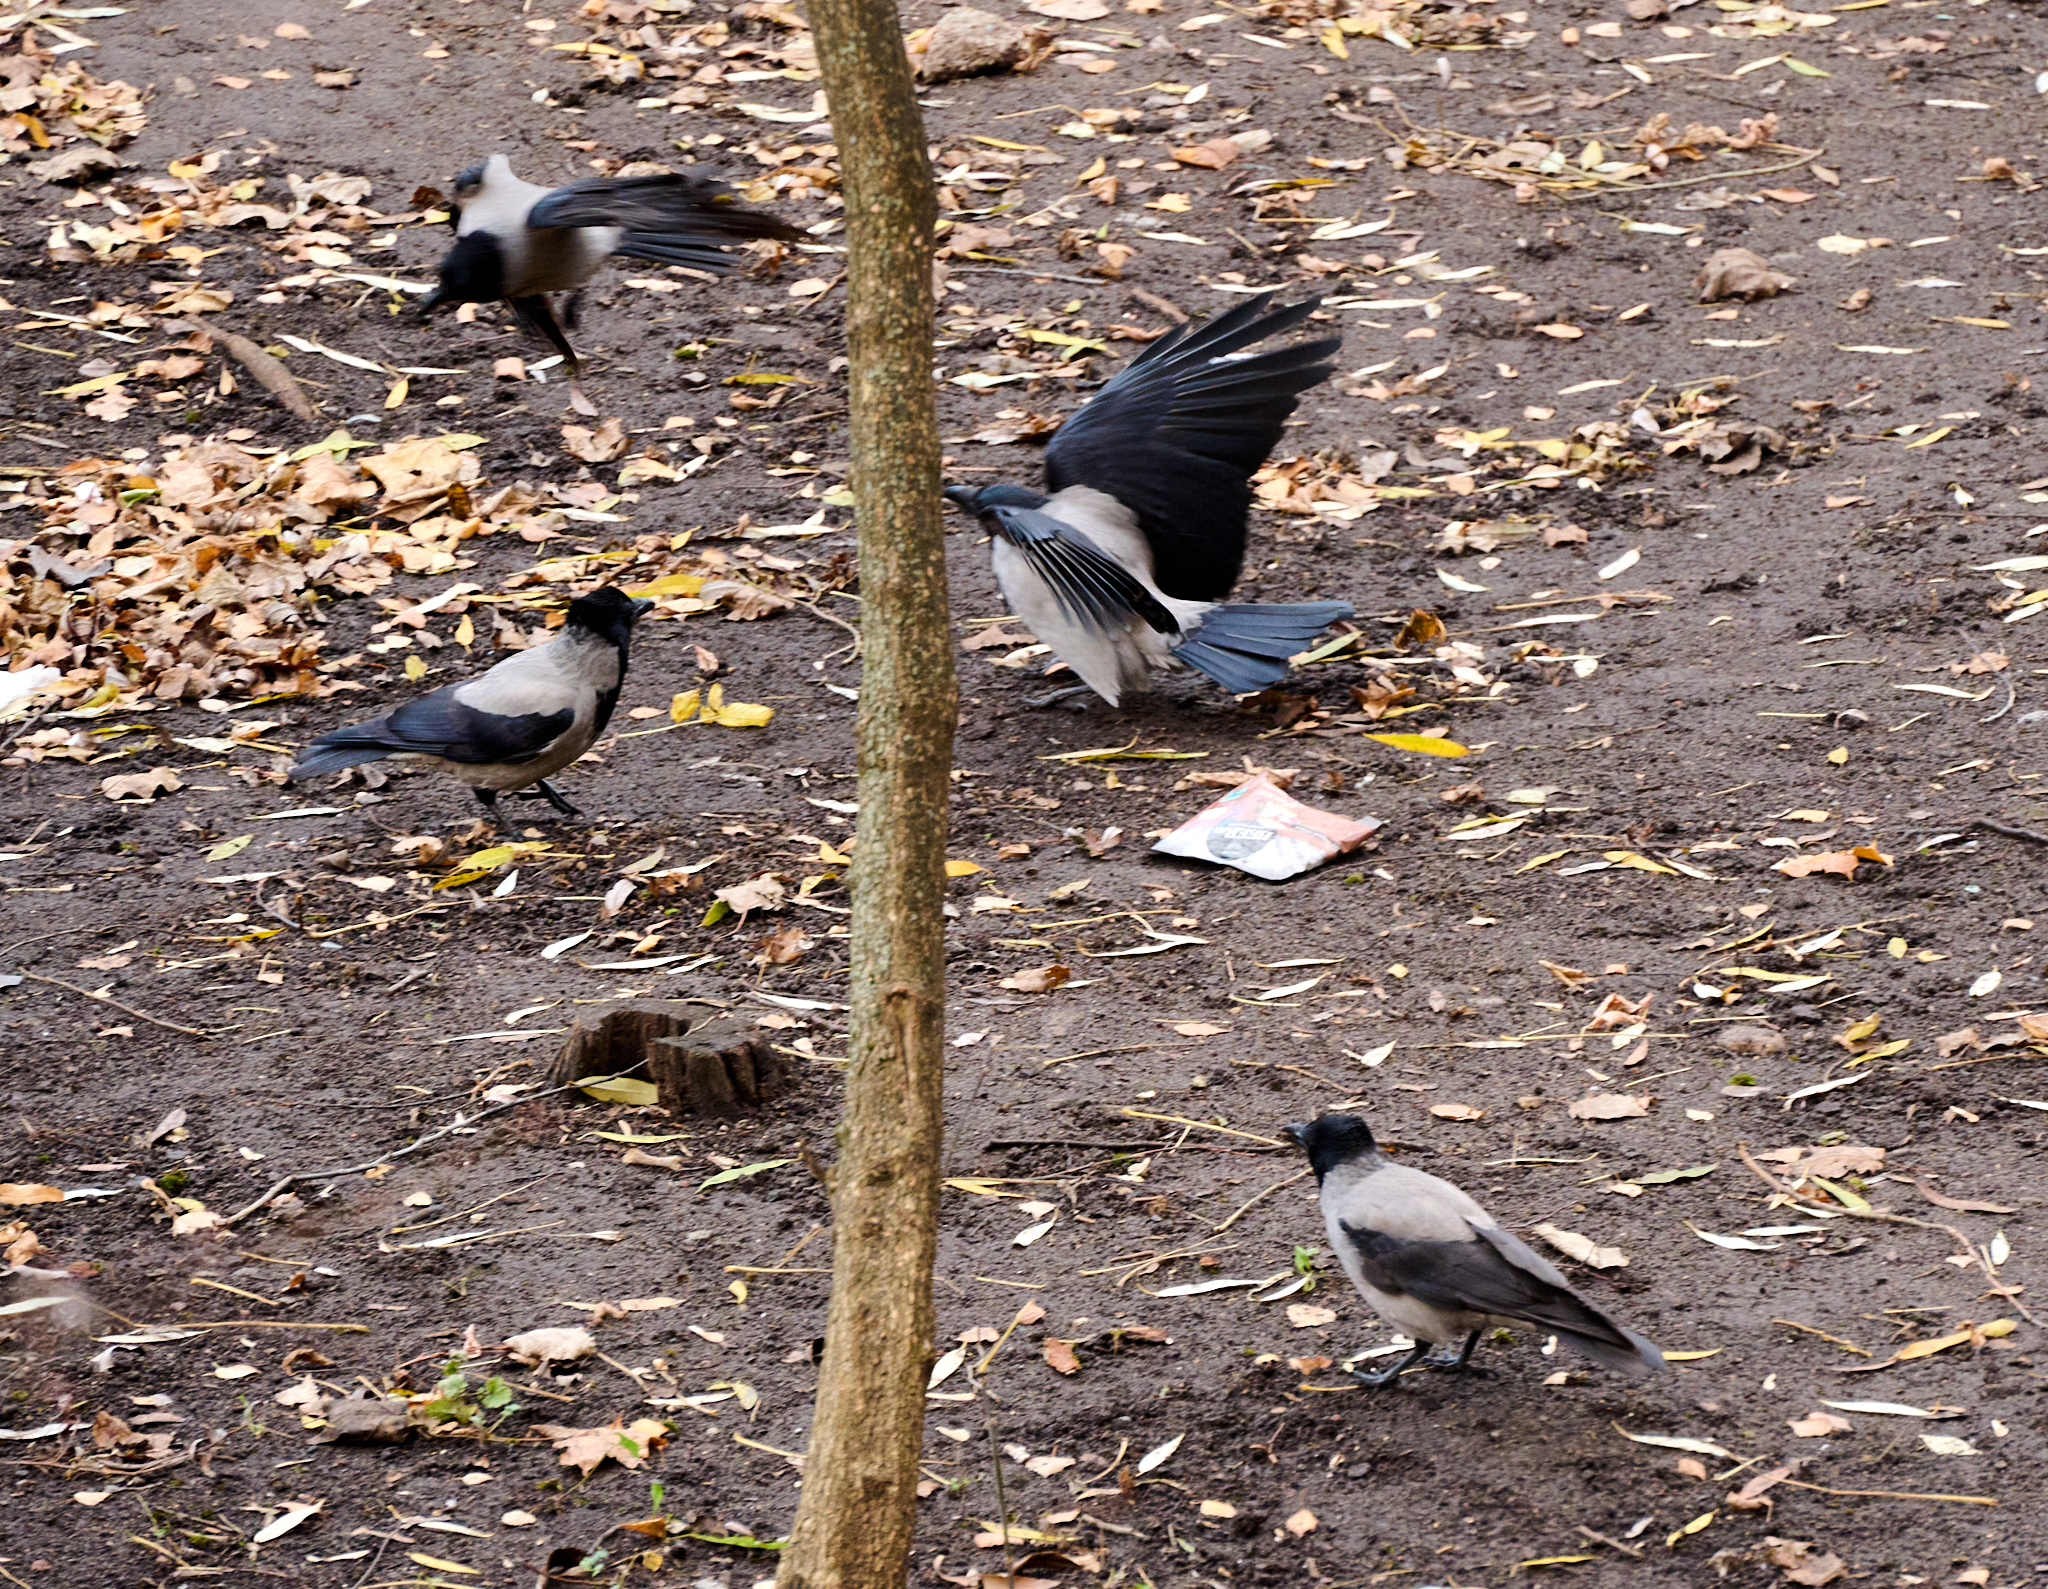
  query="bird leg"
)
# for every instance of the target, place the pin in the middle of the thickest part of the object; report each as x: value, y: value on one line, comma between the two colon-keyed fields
x: 488, y: 796
x: 538, y: 316
x: 1387, y: 1376
x: 1036, y: 702
x: 572, y: 310
x: 554, y: 797
x: 1461, y: 1358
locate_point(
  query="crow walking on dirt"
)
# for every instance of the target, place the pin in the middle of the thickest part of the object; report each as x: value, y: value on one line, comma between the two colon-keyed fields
x: 520, y: 242
x: 1436, y: 1266
x: 1124, y: 568
x: 520, y: 723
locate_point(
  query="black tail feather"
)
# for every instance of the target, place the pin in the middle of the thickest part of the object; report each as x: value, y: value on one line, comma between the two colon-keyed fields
x: 1245, y: 646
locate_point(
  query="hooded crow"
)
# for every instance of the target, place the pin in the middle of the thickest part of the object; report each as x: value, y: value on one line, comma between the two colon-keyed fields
x: 520, y: 242
x: 1436, y: 1266
x: 1124, y: 568
x: 527, y: 718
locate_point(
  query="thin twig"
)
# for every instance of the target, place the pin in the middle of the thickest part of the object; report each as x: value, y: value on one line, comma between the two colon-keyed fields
x: 125, y: 1009
x: 1895, y: 1495
x: 1246, y: 1208
x: 2010, y: 832
x: 1039, y: 275
x: 1885, y: 1217
x: 461, y: 1123
x: 1686, y: 182
x: 2011, y: 694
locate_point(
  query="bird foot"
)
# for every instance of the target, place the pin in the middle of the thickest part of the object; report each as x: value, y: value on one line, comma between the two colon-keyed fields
x: 548, y: 792
x: 1040, y: 702
x: 1450, y: 1357
x: 1386, y: 1376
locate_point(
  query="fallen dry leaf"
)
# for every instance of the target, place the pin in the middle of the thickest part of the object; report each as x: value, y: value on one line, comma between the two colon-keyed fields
x: 1309, y: 1315
x: 1456, y: 1111
x: 139, y: 786
x: 1302, y: 1522
x: 1815, y: 1425
x: 556, y: 1344
x: 1841, y: 862
x: 620, y: 1442
x: 1583, y: 1248
x: 1610, y: 1106
x: 1059, y: 1356
x: 601, y: 445
x: 1039, y: 979
x: 1738, y: 273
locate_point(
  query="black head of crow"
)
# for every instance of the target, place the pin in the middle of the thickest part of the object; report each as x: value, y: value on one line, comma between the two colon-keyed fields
x: 1125, y: 564
x: 1437, y: 1266
x: 519, y: 242
x: 513, y: 727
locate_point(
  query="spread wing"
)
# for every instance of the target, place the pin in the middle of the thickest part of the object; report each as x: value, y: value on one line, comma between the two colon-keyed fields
x: 669, y: 218
x: 1092, y: 588
x: 1178, y: 433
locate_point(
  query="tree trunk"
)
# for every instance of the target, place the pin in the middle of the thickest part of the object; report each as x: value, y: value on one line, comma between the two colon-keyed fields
x: 854, y: 1521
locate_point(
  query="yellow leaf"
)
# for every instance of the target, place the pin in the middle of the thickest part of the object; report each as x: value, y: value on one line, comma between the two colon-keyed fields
x: 1883, y: 1051
x: 1004, y: 143
x: 1543, y: 860
x: 1641, y: 863
x: 1550, y: 1561
x: 958, y: 868
x: 1896, y: 948
x: 684, y: 706
x: 738, y: 714
x: 1690, y: 1357
x: 395, y: 398
x: 670, y: 585
x: 832, y: 857
x: 620, y: 1089
x: 1988, y: 325
x: 1693, y: 1527
x: 1333, y: 41
x: 1803, y: 69
x: 465, y: 632
x: 1930, y: 438
x: 438, y: 1564
x: 1422, y: 744
x: 979, y: 1186
x: 415, y: 668
x: 1842, y: 1194
x: 1101, y: 165
x: 1838, y: 756
x: 1858, y: 1030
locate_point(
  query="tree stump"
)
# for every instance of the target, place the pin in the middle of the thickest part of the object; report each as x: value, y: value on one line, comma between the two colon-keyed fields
x: 701, y: 1061
x: 719, y: 1067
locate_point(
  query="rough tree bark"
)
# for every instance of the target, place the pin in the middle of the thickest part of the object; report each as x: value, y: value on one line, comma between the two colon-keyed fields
x: 853, y: 1523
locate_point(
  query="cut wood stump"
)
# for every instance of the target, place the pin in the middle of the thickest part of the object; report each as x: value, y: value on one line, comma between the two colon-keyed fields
x: 701, y: 1062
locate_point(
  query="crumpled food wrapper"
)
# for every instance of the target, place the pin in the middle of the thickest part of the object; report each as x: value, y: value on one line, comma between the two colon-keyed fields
x: 1261, y: 829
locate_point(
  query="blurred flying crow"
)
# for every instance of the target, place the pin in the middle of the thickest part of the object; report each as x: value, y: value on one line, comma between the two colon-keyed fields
x: 1434, y: 1264
x: 527, y: 718
x: 1125, y: 567
x: 520, y: 242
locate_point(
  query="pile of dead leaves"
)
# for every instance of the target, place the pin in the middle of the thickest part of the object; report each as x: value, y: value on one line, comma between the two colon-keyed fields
x: 48, y: 103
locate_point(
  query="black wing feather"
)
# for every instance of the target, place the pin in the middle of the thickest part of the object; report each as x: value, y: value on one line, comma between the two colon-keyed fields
x: 1176, y: 436
x: 440, y: 725
x: 1091, y: 586
x: 681, y: 208
x: 1496, y: 1274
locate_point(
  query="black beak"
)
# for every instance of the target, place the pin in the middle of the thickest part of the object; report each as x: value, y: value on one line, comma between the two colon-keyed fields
x: 433, y: 301
x: 963, y: 498
x: 1296, y: 1133
x: 642, y: 605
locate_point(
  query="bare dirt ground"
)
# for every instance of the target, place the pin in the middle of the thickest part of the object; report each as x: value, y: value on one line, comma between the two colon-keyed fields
x: 1703, y: 618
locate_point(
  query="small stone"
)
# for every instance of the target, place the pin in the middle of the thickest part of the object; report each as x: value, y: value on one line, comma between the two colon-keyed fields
x: 965, y: 42
x: 1752, y: 1042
